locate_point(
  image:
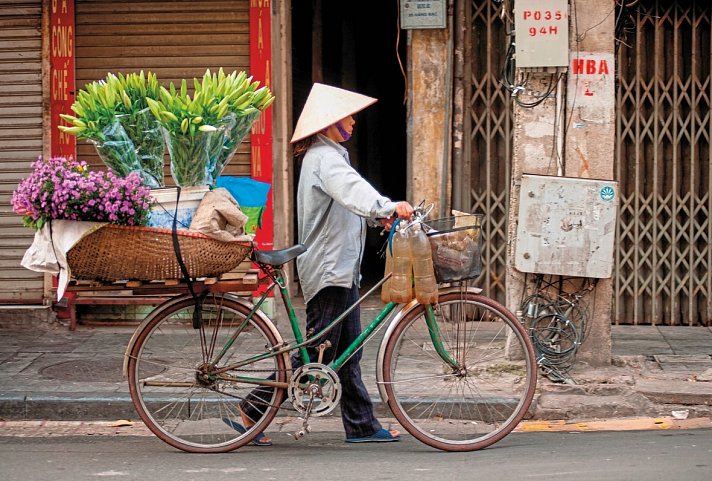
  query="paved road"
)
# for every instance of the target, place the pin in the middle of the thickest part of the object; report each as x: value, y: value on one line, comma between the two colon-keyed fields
x: 66, y: 453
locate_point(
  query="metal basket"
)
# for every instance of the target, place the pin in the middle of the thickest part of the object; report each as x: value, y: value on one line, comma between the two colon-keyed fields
x: 456, y: 244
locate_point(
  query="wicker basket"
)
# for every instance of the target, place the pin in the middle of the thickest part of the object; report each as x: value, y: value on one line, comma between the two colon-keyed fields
x: 456, y: 244
x: 146, y: 253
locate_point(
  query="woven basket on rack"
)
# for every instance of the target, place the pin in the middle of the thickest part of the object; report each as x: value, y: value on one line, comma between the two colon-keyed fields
x: 146, y: 253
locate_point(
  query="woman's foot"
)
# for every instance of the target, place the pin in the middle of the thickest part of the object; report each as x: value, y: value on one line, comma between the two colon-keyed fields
x: 380, y: 436
x: 259, y: 440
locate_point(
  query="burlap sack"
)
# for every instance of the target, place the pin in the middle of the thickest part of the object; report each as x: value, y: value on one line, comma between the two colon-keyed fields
x: 219, y: 216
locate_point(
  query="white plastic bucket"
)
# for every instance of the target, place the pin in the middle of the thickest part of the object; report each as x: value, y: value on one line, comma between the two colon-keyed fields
x: 164, y: 209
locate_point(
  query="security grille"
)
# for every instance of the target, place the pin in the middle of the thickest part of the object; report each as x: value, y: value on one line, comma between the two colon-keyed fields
x: 20, y: 139
x: 663, y: 256
x: 486, y: 170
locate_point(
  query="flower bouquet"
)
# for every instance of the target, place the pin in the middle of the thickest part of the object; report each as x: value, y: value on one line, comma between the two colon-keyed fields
x: 113, y: 114
x: 202, y: 132
x: 65, y: 189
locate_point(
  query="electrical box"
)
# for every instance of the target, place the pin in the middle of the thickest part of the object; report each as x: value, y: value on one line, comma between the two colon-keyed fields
x: 541, y: 32
x: 566, y: 226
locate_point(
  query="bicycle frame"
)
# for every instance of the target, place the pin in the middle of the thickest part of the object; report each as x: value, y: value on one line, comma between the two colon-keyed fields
x: 301, y: 343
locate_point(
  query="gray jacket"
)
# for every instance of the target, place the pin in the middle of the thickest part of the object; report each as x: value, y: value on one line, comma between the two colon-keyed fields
x: 333, y: 204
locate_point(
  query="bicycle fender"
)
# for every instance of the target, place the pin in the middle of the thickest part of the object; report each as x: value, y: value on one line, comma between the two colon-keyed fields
x: 159, y: 310
x: 406, y: 309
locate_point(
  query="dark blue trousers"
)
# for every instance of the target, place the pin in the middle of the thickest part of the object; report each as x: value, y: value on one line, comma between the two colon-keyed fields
x: 356, y: 407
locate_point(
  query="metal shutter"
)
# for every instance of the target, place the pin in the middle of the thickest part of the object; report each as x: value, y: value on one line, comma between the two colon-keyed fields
x: 175, y: 40
x: 20, y: 138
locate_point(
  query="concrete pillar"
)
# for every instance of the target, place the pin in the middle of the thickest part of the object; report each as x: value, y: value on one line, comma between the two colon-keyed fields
x: 585, y: 136
x: 429, y: 118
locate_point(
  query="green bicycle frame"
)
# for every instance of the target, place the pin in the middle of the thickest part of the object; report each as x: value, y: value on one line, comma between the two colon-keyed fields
x: 301, y: 344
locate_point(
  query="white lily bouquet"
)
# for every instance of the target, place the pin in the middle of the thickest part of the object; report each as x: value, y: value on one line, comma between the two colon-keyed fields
x: 203, y: 132
x: 113, y: 114
x: 129, y: 117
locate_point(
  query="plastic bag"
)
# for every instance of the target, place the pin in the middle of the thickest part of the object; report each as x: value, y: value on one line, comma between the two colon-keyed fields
x: 144, y: 131
x: 219, y: 216
x: 190, y: 161
x: 234, y: 128
x: 251, y: 194
x: 117, y: 150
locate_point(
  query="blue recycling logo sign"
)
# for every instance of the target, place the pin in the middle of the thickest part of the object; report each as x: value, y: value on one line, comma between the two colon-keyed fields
x: 608, y: 193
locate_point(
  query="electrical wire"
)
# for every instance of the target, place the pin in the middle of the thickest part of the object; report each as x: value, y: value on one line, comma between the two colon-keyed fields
x: 557, y: 319
x: 400, y: 63
x: 517, y: 86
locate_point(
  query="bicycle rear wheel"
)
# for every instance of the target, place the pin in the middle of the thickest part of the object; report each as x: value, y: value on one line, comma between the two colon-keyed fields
x: 173, y: 378
x: 474, y: 404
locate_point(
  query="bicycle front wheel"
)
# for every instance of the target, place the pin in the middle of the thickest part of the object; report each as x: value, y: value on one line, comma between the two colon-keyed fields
x: 175, y: 377
x: 474, y: 390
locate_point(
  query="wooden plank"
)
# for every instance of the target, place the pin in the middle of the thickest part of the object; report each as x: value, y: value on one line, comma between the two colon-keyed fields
x: 11, y: 32
x: 84, y: 31
x: 20, y: 44
x: 161, y: 7
x: 19, y: 22
x: 160, y: 62
x: 26, y: 132
x: 239, y: 37
x: 20, y: 54
x: 128, y: 16
x: 160, y: 51
x: 21, y: 111
x: 87, y: 75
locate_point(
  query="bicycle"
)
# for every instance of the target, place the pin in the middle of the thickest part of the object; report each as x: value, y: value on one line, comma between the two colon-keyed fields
x: 458, y: 375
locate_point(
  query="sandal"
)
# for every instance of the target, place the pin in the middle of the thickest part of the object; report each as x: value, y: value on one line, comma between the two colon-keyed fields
x: 380, y: 436
x: 260, y: 439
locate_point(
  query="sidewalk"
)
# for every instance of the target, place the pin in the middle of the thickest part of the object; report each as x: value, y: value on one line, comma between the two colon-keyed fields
x: 48, y: 372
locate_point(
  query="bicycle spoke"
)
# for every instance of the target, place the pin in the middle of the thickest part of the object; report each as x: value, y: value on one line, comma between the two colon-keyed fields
x: 172, y: 374
x: 466, y: 408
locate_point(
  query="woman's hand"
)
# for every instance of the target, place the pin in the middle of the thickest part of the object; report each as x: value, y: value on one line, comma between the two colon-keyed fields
x: 404, y: 210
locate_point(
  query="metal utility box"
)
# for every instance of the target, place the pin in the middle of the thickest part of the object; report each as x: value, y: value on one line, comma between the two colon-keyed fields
x: 566, y: 226
x: 416, y: 14
x: 541, y: 32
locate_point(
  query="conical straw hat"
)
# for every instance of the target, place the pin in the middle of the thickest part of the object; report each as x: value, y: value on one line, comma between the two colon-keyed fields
x: 325, y: 106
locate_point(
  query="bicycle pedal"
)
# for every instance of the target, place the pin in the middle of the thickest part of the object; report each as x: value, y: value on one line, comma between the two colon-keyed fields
x: 306, y: 429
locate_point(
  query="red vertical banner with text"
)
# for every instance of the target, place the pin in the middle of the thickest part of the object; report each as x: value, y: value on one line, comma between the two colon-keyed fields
x: 261, y: 138
x: 62, y: 75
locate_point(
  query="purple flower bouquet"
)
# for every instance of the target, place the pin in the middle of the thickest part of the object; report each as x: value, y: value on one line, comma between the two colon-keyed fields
x: 65, y: 189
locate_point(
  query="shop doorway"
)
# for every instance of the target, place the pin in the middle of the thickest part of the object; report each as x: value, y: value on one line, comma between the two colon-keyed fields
x: 353, y: 45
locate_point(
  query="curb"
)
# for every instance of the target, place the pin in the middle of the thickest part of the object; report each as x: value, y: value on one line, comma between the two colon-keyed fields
x: 66, y: 407
x: 84, y: 406
x: 90, y: 407
x: 628, y: 424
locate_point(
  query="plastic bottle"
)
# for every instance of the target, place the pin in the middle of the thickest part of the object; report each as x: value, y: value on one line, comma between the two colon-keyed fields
x: 386, y: 287
x: 426, y: 287
x: 402, y: 280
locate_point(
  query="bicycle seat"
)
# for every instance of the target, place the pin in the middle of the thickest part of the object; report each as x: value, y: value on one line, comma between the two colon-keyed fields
x: 279, y: 256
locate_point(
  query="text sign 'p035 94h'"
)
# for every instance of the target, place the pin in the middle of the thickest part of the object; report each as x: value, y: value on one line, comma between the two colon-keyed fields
x: 541, y: 30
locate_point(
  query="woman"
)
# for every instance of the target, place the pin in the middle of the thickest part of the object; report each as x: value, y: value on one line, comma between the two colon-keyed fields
x: 334, y: 204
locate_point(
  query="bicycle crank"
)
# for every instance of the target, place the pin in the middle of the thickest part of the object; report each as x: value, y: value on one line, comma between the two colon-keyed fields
x: 314, y: 390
